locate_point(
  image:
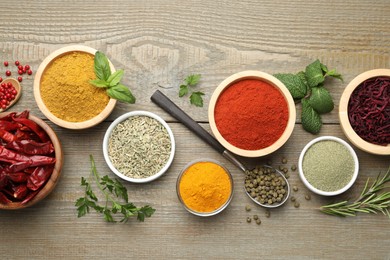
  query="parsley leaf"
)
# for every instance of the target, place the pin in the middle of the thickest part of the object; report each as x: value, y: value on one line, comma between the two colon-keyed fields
x: 195, y: 97
x: 113, y: 190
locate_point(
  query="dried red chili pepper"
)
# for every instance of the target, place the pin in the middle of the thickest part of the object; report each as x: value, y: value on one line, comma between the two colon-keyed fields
x: 20, y: 166
x: 34, y: 127
x: 39, y: 177
x: 29, y: 197
x: 3, y: 179
x: 20, y: 191
x: 9, y: 117
x: 31, y: 147
x: 17, y: 177
x: 7, y: 136
x: 9, y: 126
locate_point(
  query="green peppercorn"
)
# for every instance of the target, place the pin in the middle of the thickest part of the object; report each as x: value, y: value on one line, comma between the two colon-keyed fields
x: 293, y: 198
x: 293, y: 167
x: 258, y: 221
x: 296, y: 204
x: 267, y: 213
x: 248, y: 219
x: 307, y: 197
x: 255, y: 217
x: 295, y: 188
x: 248, y: 208
x: 284, y: 160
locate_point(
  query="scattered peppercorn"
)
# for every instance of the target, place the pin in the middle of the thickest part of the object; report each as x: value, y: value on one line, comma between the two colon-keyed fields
x: 248, y: 208
x: 295, y: 188
x: 248, y: 219
x: 267, y: 213
x: 296, y: 204
x: 27, y: 67
x: 285, y: 170
x: 287, y: 175
x: 284, y: 160
x: 269, y: 162
x: 258, y: 221
x: 307, y: 197
x: 293, y: 167
x: 255, y: 217
x: 292, y: 198
x: 20, y: 72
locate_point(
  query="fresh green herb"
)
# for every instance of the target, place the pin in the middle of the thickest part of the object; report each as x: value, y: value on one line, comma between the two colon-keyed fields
x: 308, y: 88
x: 110, y: 81
x: 196, y: 96
x: 373, y: 199
x: 117, y: 201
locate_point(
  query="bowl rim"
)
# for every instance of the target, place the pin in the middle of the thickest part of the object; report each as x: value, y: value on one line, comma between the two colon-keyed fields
x: 262, y: 76
x: 314, y: 189
x: 223, y: 206
x: 41, y: 105
x: 124, y: 117
x: 343, y: 113
x: 56, y: 174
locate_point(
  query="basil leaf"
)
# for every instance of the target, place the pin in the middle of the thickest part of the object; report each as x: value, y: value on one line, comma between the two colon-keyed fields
x: 196, y: 99
x: 311, y: 120
x: 102, y: 66
x: 115, y: 78
x: 192, y: 80
x: 183, y: 90
x: 320, y: 100
x: 121, y: 93
x: 294, y: 83
x: 99, y: 83
x: 314, y: 74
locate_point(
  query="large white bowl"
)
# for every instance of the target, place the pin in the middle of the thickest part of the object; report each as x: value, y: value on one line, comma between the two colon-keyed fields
x: 314, y: 189
x: 107, y: 137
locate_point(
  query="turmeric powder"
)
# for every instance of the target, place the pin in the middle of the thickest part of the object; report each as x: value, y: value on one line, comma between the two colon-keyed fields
x: 66, y: 91
x: 205, y: 187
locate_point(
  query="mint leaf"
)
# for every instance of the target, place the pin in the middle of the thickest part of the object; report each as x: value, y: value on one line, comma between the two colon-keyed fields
x: 101, y: 66
x: 294, y: 84
x: 320, y: 100
x: 121, y: 93
x: 99, y: 83
x: 192, y: 80
x: 196, y: 99
x: 311, y: 120
x: 334, y: 74
x: 314, y: 74
x: 183, y: 90
x: 115, y: 78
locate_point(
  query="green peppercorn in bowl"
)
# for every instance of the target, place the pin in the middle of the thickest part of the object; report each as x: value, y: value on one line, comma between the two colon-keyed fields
x: 328, y: 166
x: 139, y: 146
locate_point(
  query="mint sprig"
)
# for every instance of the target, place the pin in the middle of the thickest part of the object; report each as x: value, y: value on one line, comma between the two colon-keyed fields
x: 117, y: 200
x: 308, y: 88
x: 110, y: 81
x: 196, y: 96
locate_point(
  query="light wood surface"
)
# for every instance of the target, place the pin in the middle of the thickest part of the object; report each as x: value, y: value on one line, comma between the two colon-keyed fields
x: 158, y: 43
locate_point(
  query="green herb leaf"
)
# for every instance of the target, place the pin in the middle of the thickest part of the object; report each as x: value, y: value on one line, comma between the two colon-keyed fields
x: 192, y: 80
x: 115, y: 78
x: 121, y: 93
x: 196, y: 99
x: 314, y: 74
x: 320, y: 100
x: 294, y: 83
x: 99, y: 83
x: 183, y: 90
x: 334, y: 74
x: 311, y: 120
x: 113, y: 190
x: 102, y: 66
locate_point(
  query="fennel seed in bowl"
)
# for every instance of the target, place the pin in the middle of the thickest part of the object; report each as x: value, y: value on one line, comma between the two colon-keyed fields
x: 139, y: 147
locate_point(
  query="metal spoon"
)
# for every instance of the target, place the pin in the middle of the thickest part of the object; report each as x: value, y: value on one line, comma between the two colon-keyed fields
x: 17, y: 87
x: 165, y: 103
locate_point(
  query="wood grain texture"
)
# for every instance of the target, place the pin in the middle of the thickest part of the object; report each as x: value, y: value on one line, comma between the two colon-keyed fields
x: 158, y: 43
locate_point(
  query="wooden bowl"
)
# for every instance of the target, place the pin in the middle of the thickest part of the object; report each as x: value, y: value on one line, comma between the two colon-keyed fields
x: 267, y: 78
x: 52, y: 182
x: 37, y: 93
x: 343, y: 114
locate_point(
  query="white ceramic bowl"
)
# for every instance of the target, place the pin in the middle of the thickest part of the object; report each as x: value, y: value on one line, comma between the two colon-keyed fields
x: 267, y: 78
x: 314, y: 189
x: 107, y: 137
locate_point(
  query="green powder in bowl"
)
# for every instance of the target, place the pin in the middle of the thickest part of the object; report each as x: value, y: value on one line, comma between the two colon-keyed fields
x: 328, y: 166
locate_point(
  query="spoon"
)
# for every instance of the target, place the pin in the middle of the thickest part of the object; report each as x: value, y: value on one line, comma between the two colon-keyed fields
x: 165, y: 103
x: 17, y: 87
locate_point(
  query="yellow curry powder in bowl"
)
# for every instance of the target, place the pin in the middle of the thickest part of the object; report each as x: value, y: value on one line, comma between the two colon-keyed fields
x: 63, y: 90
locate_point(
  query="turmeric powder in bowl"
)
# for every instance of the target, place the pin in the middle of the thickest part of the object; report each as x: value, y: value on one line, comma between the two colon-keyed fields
x: 205, y: 187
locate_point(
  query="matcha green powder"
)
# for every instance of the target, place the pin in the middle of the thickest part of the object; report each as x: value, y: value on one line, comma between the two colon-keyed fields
x: 328, y: 165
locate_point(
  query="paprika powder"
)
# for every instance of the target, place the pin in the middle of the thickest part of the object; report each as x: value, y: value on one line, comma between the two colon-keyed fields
x: 251, y: 114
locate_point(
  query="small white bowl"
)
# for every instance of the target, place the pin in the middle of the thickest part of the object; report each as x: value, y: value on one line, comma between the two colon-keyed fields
x: 107, y: 137
x: 314, y: 189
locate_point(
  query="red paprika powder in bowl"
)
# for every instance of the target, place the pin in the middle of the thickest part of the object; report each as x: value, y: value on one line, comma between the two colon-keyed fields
x: 252, y: 113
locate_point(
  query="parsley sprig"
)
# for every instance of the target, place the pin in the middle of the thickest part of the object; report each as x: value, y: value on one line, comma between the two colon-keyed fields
x: 117, y: 201
x: 374, y: 198
x: 196, y: 96
x: 110, y: 81
x: 308, y: 88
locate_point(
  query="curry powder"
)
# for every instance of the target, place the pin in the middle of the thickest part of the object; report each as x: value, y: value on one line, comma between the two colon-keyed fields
x: 66, y: 91
x: 205, y: 187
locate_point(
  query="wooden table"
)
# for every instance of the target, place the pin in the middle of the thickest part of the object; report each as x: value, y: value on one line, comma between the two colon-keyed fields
x: 158, y: 43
